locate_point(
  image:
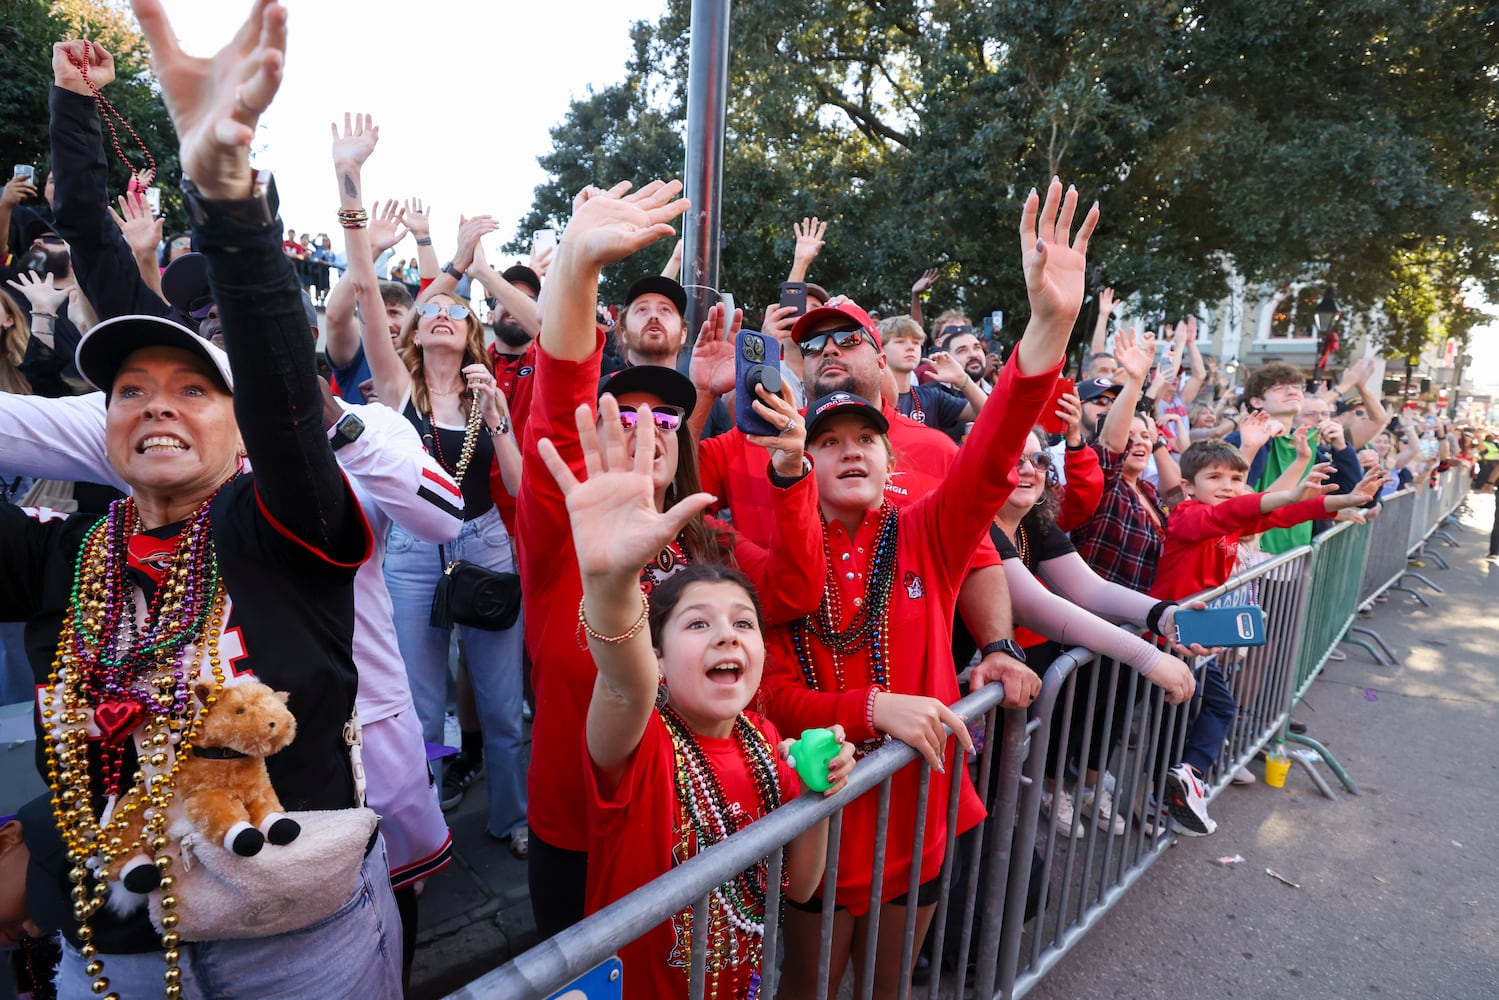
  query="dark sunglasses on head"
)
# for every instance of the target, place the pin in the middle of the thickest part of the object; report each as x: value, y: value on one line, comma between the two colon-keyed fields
x: 951, y: 331
x: 666, y: 418
x: 428, y: 310
x: 845, y: 339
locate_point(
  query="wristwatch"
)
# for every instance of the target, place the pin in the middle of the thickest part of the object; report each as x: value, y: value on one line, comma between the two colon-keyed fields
x: 1009, y: 647
x: 346, y: 431
x: 452, y: 271
x: 259, y: 209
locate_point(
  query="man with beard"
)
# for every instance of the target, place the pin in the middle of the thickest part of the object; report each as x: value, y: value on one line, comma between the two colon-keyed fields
x: 963, y: 344
x: 1097, y: 396
x: 652, y: 325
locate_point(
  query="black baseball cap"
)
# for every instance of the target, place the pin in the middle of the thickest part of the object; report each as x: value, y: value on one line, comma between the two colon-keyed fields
x: 837, y: 404
x: 666, y: 384
x: 1095, y: 387
x: 660, y: 284
x: 103, y: 350
x: 185, y: 285
x: 520, y: 274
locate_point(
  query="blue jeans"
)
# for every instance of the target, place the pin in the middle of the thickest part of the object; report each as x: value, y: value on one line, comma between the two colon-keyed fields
x: 1215, y: 710
x: 356, y: 952
x: 494, y: 658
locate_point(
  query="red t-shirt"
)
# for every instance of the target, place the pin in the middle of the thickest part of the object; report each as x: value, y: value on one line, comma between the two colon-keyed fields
x: 788, y: 574
x: 936, y: 534
x: 1202, y: 540
x: 515, y: 376
x: 631, y: 834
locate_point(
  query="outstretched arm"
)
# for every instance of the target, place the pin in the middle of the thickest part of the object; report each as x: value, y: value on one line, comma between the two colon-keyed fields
x: 1053, y: 260
x: 809, y: 243
x: 1100, y: 340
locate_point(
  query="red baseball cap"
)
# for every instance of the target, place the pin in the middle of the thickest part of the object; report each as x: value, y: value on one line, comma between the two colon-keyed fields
x: 846, y: 310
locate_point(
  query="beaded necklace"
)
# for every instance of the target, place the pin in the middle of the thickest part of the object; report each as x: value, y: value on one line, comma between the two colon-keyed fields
x: 736, y: 909
x: 470, y: 441
x: 870, y: 627
x: 130, y: 678
x: 916, y: 413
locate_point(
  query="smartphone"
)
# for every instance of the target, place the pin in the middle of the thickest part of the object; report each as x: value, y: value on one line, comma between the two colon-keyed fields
x: 543, y: 239
x: 757, y: 362
x: 1050, y: 422
x: 997, y: 320
x: 153, y: 199
x: 794, y: 294
x: 25, y: 170
x: 1241, y: 626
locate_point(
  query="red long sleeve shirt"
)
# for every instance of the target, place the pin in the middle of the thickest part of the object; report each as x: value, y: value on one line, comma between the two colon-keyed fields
x: 937, y: 534
x: 789, y: 575
x: 1202, y: 540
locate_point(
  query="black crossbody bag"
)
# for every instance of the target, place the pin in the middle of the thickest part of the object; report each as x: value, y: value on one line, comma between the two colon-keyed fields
x: 471, y: 595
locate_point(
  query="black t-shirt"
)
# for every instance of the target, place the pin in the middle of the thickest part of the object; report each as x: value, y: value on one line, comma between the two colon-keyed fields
x: 446, y: 445
x: 290, y: 624
x: 932, y: 404
x: 1046, y: 541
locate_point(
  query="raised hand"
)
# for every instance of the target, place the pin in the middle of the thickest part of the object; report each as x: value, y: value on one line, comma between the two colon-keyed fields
x: 1331, y: 433
x: 39, y: 291
x: 69, y: 60
x: 140, y: 230
x: 470, y: 231
x: 1254, y: 432
x: 1106, y: 302
x: 541, y: 261
x: 712, y: 366
x: 673, y: 268
x: 949, y: 368
x: 1315, y: 484
x: 1132, y: 354
x: 1070, y: 411
x: 809, y: 242
x: 17, y: 190
x: 616, y: 526
x: 385, y: 227
x: 777, y: 323
x: 926, y: 281
x: 216, y: 103
x: 1368, y: 487
x: 357, y: 141
x: 786, y: 448
x: 414, y: 217
x: 1054, y: 260
x: 611, y: 225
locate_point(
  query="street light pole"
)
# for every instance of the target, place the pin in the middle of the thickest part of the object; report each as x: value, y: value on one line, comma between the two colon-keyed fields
x: 1326, y: 323
x: 707, y: 106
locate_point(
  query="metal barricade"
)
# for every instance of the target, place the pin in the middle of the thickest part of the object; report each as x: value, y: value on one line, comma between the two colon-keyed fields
x: 556, y: 962
x: 1383, y: 568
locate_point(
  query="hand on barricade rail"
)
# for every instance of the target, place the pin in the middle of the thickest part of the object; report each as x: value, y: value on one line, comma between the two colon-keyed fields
x: 917, y: 721
x: 1022, y: 684
x: 1174, y: 677
x: 839, y: 768
x: 1168, y: 631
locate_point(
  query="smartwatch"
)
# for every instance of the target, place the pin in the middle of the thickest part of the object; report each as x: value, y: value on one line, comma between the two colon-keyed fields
x: 346, y: 431
x: 1009, y: 647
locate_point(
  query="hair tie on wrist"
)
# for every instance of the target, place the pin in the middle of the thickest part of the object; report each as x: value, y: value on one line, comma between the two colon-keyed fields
x: 1153, y: 616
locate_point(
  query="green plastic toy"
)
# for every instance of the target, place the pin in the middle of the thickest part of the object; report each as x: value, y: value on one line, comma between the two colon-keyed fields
x: 811, y: 755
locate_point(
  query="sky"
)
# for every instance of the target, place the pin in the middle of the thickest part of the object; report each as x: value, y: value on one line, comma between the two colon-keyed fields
x: 464, y: 92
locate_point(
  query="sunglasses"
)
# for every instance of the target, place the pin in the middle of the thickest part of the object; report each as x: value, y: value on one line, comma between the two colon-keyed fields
x: 427, y: 310
x: 1040, y: 459
x: 666, y: 418
x: 948, y: 331
x: 845, y: 339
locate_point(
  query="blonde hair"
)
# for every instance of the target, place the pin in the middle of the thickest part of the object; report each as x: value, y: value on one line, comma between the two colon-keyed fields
x: 946, y: 318
x: 13, y: 350
x: 411, y: 353
x: 900, y: 328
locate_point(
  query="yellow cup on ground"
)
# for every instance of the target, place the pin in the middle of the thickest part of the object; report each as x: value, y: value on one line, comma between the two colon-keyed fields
x: 1277, y: 766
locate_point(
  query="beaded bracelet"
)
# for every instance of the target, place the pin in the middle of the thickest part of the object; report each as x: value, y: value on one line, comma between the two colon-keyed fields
x: 353, y: 218
x: 874, y: 690
x: 629, y: 633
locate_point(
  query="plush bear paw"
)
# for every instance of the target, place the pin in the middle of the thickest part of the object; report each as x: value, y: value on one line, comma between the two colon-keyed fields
x: 140, y: 875
x: 280, y: 830
x: 244, y: 840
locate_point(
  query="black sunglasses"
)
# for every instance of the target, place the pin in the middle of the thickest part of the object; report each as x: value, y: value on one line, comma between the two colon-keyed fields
x: 818, y: 342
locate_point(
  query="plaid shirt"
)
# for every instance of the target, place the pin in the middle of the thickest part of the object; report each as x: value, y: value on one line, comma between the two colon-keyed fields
x: 1120, y: 541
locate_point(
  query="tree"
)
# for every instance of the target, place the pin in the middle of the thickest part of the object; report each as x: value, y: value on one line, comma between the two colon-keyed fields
x: 28, y: 31
x: 1282, y: 142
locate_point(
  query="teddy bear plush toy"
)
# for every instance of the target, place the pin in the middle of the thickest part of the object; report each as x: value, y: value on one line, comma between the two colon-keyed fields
x: 222, y: 787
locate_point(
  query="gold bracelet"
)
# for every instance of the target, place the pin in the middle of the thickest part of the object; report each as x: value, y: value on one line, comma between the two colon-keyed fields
x: 629, y: 633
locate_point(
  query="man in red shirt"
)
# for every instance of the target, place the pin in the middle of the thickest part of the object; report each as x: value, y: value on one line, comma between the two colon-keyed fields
x: 842, y: 352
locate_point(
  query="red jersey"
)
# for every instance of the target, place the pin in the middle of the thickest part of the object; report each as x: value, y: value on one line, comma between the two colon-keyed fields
x: 1202, y: 540
x: 515, y: 376
x: 1084, y: 487
x: 733, y: 469
x: 788, y: 574
x: 935, y: 536
x: 631, y: 834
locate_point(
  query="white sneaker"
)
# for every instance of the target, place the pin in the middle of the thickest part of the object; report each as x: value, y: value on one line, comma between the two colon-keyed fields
x: 1059, y: 805
x: 1186, y: 801
x: 1244, y: 776
x: 1099, y: 803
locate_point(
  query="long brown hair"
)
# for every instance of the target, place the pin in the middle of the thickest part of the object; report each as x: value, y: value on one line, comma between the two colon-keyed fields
x: 13, y: 344
x: 702, y: 543
x: 411, y: 353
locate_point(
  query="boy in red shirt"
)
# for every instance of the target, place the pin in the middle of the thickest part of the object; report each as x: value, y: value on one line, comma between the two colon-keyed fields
x: 1201, y: 549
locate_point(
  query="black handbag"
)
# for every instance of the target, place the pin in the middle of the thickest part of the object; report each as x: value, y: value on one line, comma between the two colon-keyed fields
x: 471, y: 595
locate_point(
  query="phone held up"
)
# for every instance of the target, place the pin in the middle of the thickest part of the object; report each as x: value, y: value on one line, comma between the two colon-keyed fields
x: 757, y: 362
x: 1235, y: 626
x: 1050, y: 422
x: 543, y: 239
x: 794, y: 294
x: 25, y: 171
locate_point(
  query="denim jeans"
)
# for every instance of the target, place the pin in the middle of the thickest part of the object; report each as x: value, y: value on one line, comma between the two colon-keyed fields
x: 1214, y: 714
x: 356, y: 952
x: 494, y: 658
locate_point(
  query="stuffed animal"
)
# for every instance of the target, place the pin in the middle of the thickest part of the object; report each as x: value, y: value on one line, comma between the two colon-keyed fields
x: 222, y: 787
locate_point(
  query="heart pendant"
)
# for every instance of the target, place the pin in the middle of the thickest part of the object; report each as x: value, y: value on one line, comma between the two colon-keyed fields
x: 115, y: 719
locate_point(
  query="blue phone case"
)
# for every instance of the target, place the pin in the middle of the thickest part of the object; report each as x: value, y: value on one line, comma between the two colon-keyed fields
x: 1241, y: 626
x: 756, y: 357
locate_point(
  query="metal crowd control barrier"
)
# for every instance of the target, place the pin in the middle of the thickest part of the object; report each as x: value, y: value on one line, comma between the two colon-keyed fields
x: 1386, y: 564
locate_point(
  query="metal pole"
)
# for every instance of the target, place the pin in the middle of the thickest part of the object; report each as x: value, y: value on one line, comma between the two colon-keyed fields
x: 707, y: 104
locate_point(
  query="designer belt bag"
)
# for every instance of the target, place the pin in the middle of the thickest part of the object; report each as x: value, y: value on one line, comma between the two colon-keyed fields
x: 471, y: 595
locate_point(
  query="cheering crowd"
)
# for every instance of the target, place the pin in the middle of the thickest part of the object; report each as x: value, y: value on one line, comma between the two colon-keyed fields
x: 670, y: 565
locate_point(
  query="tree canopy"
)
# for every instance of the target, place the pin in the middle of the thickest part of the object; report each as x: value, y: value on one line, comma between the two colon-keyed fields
x: 1353, y: 144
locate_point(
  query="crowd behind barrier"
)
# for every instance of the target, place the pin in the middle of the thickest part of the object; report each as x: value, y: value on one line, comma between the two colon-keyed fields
x: 1027, y: 891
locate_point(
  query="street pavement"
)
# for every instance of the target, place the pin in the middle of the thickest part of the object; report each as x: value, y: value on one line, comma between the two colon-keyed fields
x: 1398, y: 888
